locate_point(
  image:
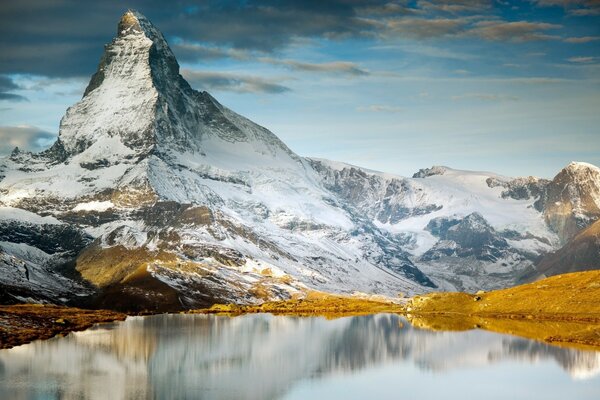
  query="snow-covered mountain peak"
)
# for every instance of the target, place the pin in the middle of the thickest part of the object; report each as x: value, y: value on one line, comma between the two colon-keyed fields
x: 128, y: 23
x: 138, y: 98
x: 578, y: 167
x: 572, y: 199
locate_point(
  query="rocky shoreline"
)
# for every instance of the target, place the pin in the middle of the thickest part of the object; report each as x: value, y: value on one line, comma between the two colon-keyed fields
x: 24, y: 323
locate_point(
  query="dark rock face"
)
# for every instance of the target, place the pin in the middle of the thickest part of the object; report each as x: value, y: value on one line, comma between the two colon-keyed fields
x: 521, y: 188
x: 51, y: 239
x: 470, y: 236
x: 571, y: 201
x: 425, y: 172
x: 439, y: 226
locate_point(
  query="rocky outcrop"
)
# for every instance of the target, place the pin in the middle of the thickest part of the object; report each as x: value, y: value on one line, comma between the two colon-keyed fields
x: 386, y: 200
x: 581, y: 253
x: 571, y: 202
x: 521, y: 188
x: 426, y: 172
x: 466, y: 237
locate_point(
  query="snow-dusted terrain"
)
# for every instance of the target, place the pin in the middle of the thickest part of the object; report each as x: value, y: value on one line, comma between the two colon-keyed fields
x: 168, y: 196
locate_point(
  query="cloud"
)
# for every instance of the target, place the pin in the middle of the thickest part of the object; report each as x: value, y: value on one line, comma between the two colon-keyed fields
x: 518, y: 31
x: 340, y: 67
x: 585, y: 11
x: 25, y: 137
x: 230, y: 82
x: 539, y: 80
x: 6, y: 87
x: 491, y: 30
x: 379, y: 108
x: 195, y: 51
x: 583, y: 39
x: 423, y: 28
x: 387, y: 9
x: 484, y: 97
x: 582, y: 60
x: 573, y: 7
x: 66, y: 38
x: 455, y: 6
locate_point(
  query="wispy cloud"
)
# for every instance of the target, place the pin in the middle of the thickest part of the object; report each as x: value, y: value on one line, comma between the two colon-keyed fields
x: 582, y: 60
x: 7, y: 86
x: 387, y: 9
x: 25, y: 137
x: 484, y: 97
x: 582, y: 39
x: 458, y: 27
x: 425, y: 28
x: 573, y: 7
x: 232, y: 82
x: 455, y: 6
x: 195, y: 51
x: 339, y: 67
x: 379, y: 108
x: 519, y: 31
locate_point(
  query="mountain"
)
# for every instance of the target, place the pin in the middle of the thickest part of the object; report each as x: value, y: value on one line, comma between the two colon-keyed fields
x: 579, y: 254
x: 156, y: 196
x: 571, y: 200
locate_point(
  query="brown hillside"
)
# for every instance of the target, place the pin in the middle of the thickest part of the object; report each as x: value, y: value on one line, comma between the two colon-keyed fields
x: 579, y: 254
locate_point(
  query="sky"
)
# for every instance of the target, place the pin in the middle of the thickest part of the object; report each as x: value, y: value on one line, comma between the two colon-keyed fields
x: 506, y: 86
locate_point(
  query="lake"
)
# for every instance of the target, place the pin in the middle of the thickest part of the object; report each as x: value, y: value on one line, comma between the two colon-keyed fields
x: 261, y: 356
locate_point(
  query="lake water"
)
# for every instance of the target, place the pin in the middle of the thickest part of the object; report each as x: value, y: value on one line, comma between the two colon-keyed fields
x: 268, y: 357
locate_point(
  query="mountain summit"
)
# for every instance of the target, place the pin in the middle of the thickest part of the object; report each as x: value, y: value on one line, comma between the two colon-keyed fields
x: 138, y: 99
x: 156, y: 196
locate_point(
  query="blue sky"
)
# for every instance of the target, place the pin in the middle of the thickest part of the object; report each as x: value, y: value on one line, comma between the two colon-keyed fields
x: 511, y: 87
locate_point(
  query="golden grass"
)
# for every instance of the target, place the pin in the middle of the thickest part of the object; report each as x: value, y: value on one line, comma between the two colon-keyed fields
x: 313, y: 304
x: 106, y: 266
x: 566, y: 297
x: 23, y: 323
x: 563, y: 309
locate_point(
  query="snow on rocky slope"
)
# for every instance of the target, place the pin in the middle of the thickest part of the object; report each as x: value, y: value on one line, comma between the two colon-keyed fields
x: 176, y: 201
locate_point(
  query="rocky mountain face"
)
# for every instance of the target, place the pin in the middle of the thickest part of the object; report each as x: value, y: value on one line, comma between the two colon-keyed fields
x: 156, y: 196
x: 470, y: 236
x: 571, y: 201
x: 580, y: 253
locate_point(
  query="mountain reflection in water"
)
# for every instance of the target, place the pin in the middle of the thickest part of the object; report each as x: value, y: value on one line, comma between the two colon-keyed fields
x: 267, y: 357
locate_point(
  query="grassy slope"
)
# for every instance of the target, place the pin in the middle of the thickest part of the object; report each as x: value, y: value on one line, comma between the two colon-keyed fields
x: 315, y: 303
x: 573, y: 296
x: 563, y: 309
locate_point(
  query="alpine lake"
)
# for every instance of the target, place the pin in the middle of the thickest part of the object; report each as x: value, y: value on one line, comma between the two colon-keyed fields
x: 261, y: 356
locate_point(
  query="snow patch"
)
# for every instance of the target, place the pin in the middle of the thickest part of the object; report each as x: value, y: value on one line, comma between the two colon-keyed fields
x: 94, y: 206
